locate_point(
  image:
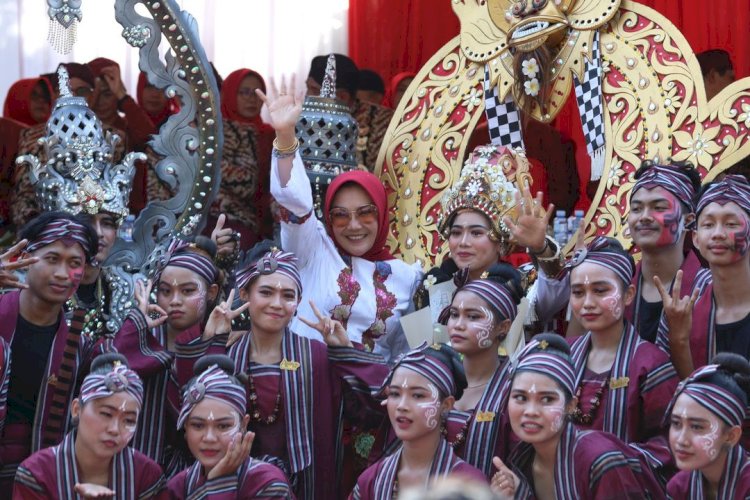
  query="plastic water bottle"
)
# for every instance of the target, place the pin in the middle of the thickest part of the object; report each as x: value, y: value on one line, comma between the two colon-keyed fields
x: 574, y: 222
x: 126, y: 229
x: 560, y: 226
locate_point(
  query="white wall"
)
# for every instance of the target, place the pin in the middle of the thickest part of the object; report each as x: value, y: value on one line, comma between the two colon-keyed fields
x: 273, y: 37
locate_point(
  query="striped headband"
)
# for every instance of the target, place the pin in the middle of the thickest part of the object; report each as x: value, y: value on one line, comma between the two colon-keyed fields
x: 620, y: 264
x: 670, y: 178
x: 495, y: 294
x: 275, y: 261
x: 719, y: 401
x: 731, y: 188
x: 186, y: 255
x: 420, y: 361
x: 65, y: 230
x: 534, y: 358
x: 213, y: 383
x: 119, y: 379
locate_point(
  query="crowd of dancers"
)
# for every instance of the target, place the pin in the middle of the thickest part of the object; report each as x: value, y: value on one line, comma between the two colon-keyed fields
x: 282, y: 369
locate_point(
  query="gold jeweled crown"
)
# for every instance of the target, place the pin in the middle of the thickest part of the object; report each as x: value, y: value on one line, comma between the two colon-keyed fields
x: 485, y: 185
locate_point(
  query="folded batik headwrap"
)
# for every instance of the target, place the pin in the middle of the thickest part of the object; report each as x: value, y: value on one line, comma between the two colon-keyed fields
x: 595, y: 252
x: 732, y: 188
x: 275, y: 261
x: 180, y: 253
x: 422, y: 362
x: 534, y: 358
x: 65, y: 230
x: 719, y: 401
x: 495, y: 294
x: 671, y: 178
x: 213, y: 383
x: 119, y: 379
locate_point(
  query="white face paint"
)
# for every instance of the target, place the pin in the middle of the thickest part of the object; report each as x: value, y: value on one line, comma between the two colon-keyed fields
x: 586, y: 280
x: 292, y: 302
x: 558, y: 413
x: 405, y: 383
x: 431, y: 407
x: 211, y: 416
x: 533, y: 389
x: 484, y: 329
x: 613, y: 302
x: 707, y: 442
x: 235, y: 428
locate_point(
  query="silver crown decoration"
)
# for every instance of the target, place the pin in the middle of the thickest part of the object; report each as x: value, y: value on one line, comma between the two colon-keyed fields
x: 79, y: 175
x: 64, y: 16
x: 327, y: 131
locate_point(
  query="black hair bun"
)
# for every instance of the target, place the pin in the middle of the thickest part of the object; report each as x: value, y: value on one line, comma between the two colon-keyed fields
x: 554, y: 341
x: 106, y: 361
x: 736, y: 367
x: 256, y: 252
x: 507, y: 275
x: 224, y: 362
x: 450, y: 358
x: 206, y: 245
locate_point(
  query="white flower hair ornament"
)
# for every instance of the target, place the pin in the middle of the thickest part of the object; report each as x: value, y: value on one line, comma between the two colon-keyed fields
x: 485, y: 188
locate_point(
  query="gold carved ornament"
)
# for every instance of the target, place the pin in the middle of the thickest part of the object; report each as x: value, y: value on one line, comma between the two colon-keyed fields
x: 654, y: 100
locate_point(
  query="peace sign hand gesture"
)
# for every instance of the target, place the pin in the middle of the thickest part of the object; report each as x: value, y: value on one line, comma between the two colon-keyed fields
x: 332, y: 331
x: 220, y: 320
x: 8, y: 278
x: 284, y: 106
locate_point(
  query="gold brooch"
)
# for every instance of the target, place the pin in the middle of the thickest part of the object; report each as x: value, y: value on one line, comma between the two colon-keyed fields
x: 52, y: 380
x: 485, y: 275
x: 485, y: 416
x: 289, y: 365
x: 543, y: 345
x: 619, y: 383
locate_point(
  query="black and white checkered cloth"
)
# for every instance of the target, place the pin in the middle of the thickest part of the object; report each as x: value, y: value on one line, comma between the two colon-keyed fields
x: 503, y: 119
x: 589, y: 97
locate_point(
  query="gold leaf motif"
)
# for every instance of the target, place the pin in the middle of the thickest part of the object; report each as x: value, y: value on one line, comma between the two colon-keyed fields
x: 289, y: 365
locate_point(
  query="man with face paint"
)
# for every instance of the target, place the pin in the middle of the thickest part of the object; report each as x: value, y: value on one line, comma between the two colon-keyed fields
x: 719, y: 321
x: 661, y: 215
x: 45, y: 356
x: 102, y: 195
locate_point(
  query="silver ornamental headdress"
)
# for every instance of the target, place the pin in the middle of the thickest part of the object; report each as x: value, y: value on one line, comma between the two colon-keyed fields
x: 79, y: 175
x: 64, y: 16
x: 327, y: 134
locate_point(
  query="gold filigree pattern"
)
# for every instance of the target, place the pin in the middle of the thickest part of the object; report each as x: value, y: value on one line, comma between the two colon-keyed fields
x: 654, y: 100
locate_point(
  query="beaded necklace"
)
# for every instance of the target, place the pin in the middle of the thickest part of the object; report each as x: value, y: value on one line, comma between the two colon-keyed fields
x: 255, y: 414
x: 587, y: 418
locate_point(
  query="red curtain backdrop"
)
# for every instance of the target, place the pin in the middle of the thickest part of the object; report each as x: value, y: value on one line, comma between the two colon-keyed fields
x: 391, y: 36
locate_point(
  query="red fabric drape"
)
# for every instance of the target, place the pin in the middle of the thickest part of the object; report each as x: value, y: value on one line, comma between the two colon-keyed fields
x: 390, y: 36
